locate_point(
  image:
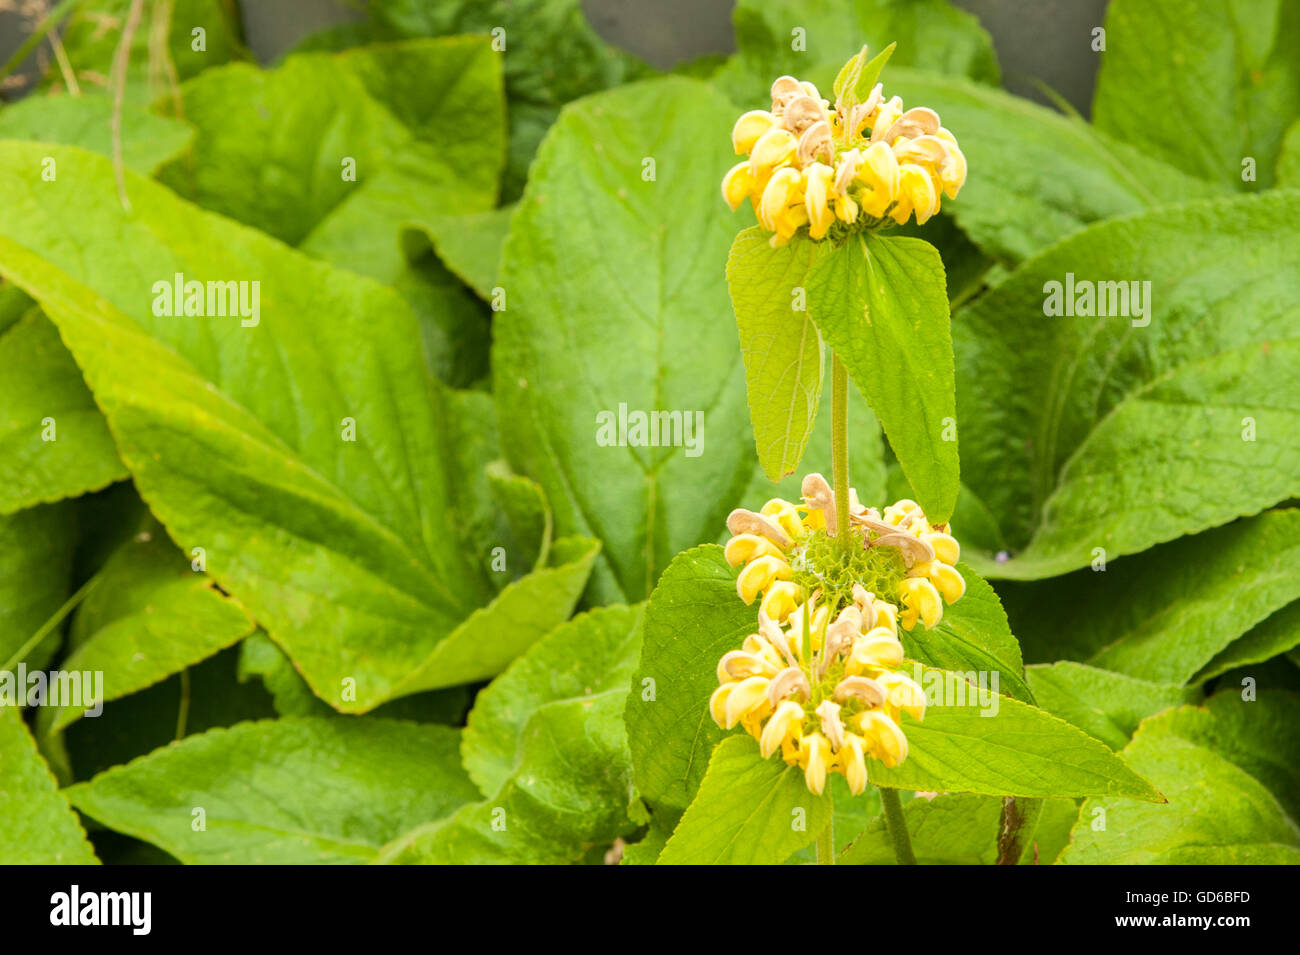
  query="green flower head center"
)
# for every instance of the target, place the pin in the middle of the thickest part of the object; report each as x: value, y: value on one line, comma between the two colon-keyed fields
x: 821, y: 562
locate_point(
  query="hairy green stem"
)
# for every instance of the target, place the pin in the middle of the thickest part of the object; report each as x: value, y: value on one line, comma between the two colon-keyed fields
x: 840, y: 446
x: 897, y: 826
x: 826, y: 840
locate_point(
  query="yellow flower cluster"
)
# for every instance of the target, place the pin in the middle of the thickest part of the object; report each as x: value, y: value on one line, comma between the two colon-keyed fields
x: 819, y: 679
x: 811, y: 164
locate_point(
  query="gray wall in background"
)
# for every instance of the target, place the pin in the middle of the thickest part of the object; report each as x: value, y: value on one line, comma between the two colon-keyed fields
x: 1037, y: 41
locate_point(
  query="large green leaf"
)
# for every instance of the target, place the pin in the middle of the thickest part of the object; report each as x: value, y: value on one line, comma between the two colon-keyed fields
x: 616, y: 300
x: 780, y: 344
x: 1096, y: 432
x: 749, y: 811
x: 148, y: 140
x: 881, y: 303
x: 1103, y: 704
x: 547, y: 744
x: 36, y: 825
x: 352, y: 553
x: 369, y: 781
x: 778, y: 37
x: 693, y: 618
x: 1166, y: 614
x: 36, y: 548
x: 589, y: 657
x: 54, y: 443
x: 1036, y: 176
x: 550, y: 55
x: 149, y: 615
x: 1278, y: 633
x: 1219, y: 811
x: 1228, y: 87
x: 991, y: 744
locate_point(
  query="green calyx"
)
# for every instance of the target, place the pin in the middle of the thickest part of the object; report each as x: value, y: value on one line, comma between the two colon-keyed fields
x: 822, y: 563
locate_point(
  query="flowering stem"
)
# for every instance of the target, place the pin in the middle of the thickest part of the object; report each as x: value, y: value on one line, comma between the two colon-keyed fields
x: 896, y: 826
x: 840, y: 446
x: 826, y: 841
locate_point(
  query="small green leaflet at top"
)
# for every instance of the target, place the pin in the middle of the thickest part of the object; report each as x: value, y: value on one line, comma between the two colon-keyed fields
x: 857, y: 77
x: 881, y: 303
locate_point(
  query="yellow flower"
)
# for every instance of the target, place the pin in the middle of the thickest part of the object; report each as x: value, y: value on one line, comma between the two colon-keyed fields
x: 861, y: 164
x: 819, y: 681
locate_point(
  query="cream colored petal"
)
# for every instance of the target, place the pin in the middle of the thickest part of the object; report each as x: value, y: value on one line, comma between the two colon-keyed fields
x: 791, y: 681
x: 741, y: 521
x: 819, y: 754
x: 817, y: 493
x: 869, y: 691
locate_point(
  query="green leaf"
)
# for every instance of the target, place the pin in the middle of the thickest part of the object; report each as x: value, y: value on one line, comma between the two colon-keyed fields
x: 492, y: 636
x: 148, y: 616
x: 272, y: 144
x: 881, y: 303
x: 148, y: 140
x: 553, y: 56
x: 37, y: 827
x: 54, y: 443
x: 749, y: 811
x: 1219, y: 811
x: 1096, y: 432
x: 371, y: 780
x: 527, y: 513
x: 546, y: 740
x: 929, y: 35
x: 1255, y: 734
x: 945, y: 830
x: 588, y: 657
x: 853, y: 815
x: 1277, y: 633
x: 36, y: 548
x: 1230, y: 86
x: 780, y: 345
x: 866, y: 458
x: 693, y: 618
x: 627, y: 312
x: 1036, y: 176
x: 353, y: 554
x: 1167, y: 614
x: 981, y: 742
x: 1103, y: 704
x: 471, y: 244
